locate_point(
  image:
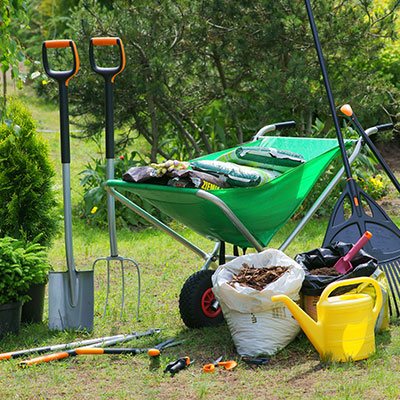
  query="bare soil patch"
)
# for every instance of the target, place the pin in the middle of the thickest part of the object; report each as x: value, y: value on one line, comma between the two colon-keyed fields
x: 327, y: 271
x: 391, y: 154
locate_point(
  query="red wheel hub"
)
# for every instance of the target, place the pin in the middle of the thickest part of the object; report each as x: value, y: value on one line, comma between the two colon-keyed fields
x: 209, y: 304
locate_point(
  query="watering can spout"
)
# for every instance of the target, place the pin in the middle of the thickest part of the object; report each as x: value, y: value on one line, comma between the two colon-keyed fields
x: 312, y: 329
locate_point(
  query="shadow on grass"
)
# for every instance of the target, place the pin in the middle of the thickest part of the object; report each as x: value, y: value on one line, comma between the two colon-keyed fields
x: 38, y: 335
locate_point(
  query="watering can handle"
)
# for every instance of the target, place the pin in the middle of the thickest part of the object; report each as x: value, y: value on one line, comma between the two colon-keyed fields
x: 346, y: 282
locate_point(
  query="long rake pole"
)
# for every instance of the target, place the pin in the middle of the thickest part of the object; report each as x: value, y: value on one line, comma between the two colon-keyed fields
x: 346, y: 163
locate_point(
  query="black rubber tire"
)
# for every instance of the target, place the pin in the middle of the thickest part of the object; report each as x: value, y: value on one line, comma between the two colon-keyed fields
x: 190, y: 301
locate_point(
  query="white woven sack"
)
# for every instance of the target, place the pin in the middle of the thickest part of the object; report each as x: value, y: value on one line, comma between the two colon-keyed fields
x: 258, y: 325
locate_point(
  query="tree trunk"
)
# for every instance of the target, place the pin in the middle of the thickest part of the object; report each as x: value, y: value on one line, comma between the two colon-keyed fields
x: 154, y: 127
x: 4, y: 89
x: 185, y: 134
x: 221, y: 73
x: 201, y: 134
x: 309, y: 123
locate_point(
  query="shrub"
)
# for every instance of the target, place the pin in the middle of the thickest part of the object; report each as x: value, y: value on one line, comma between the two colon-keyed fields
x: 28, y: 203
x: 22, y: 265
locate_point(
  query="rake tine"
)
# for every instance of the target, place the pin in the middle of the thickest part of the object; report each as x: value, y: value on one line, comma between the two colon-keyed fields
x: 390, y: 305
x: 396, y: 273
x: 123, y: 287
x: 394, y: 287
x: 388, y: 272
x: 384, y: 268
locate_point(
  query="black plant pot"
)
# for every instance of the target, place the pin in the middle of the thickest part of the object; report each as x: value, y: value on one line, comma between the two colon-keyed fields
x: 32, y: 310
x: 10, y: 318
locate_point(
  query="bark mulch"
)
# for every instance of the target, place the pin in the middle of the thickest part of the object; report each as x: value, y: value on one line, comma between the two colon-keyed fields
x: 257, y: 278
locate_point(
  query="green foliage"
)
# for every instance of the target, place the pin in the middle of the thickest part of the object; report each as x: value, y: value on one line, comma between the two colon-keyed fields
x: 376, y: 186
x: 22, y: 264
x: 202, y: 76
x: 29, y: 207
x: 94, y: 207
x: 11, y: 54
x: 363, y: 170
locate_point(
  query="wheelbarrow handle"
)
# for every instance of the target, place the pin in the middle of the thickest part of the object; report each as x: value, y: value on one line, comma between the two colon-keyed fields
x: 109, y: 72
x: 63, y: 77
x: 385, y: 127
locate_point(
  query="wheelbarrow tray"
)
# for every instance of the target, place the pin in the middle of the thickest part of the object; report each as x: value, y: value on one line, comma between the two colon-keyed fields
x: 263, y: 209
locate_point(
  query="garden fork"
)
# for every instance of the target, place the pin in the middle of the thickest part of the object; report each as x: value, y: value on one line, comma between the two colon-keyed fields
x: 109, y: 75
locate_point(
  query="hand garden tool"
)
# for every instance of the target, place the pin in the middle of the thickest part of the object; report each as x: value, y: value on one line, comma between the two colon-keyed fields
x: 388, y: 256
x: 345, y: 324
x: 228, y: 365
x: 71, y: 293
x: 47, y: 349
x: 178, y: 365
x: 385, y: 244
x: 74, y: 352
x: 343, y: 265
x: 109, y: 75
x: 126, y: 350
x: 258, y: 361
x: 156, y: 350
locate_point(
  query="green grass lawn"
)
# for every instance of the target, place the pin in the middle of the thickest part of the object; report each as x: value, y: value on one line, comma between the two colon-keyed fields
x: 294, y: 373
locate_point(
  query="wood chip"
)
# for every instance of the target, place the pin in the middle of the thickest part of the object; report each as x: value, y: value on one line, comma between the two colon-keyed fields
x: 257, y: 278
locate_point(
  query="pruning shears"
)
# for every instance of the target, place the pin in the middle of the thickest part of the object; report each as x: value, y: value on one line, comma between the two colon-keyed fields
x: 156, y: 350
x: 228, y: 365
x: 153, y: 351
x: 99, y: 348
x: 256, y: 361
x: 176, y: 366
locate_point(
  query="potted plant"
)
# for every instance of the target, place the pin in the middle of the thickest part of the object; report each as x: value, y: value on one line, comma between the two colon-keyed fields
x: 22, y: 265
x: 38, y: 271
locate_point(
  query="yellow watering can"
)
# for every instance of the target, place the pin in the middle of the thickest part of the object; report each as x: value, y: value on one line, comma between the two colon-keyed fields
x: 344, y: 329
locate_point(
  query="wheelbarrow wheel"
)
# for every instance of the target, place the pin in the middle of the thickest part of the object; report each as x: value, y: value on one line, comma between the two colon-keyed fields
x: 197, y: 303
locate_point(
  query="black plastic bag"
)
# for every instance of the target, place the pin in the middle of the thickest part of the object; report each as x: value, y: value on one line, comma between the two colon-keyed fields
x: 314, y: 285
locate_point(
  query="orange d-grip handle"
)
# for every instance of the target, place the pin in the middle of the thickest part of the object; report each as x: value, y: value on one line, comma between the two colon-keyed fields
x: 61, y: 76
x: 104, y: 41
x: 41, y: 359
x: 112, y: 72
x: 57, y: 44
